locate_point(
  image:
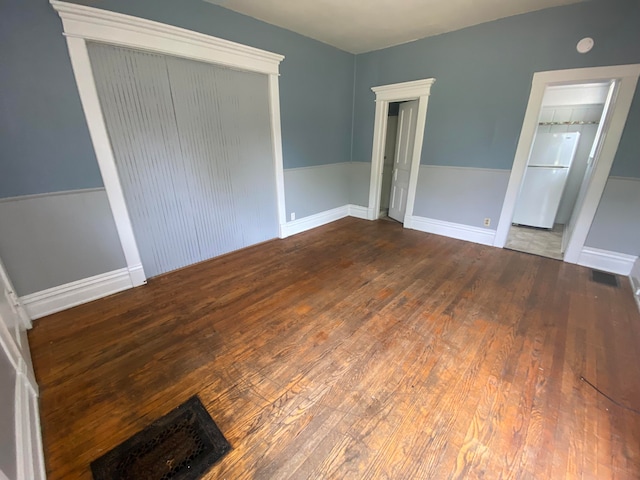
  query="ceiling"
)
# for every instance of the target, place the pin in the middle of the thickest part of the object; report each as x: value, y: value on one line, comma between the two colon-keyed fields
x: 359, y: 26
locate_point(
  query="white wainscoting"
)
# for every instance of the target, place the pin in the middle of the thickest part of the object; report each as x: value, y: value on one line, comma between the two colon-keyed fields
x: 56, y: 238
x: 316, y: 189
x: 607, y: 261
x: 359, y: 178
x: 482, y: 236
x: 69, y: 295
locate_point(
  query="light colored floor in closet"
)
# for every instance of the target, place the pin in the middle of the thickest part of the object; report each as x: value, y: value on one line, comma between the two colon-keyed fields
x: 546, y: 243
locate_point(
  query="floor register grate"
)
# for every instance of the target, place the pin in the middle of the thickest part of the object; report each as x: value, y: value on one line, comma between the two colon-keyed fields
x: 182, y: 445
x: 604, y: 278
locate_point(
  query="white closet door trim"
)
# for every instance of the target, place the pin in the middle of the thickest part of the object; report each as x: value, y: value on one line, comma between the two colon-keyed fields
x: 81, y: 23
x: 398, y: 92
x: 99, y: 25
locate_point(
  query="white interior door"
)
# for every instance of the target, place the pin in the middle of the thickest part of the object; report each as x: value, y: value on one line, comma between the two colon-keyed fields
x: 21, y: 453
x: 407, y: 120
x: 601, y: 134
x: 389, y: 158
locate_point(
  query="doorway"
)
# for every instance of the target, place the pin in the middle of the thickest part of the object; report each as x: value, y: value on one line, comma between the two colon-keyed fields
x: 414, y: 96
x: 569, y: 129
x: 622, y: 81
x: 398, y: 154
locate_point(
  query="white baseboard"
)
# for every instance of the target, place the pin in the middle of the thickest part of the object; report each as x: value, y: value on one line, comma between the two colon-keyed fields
x: 613, y: 262
x: 137, y: 275
x: 358, y: 212
x: 483, y: 236
x: 69, y: 295
x: 322, y: 218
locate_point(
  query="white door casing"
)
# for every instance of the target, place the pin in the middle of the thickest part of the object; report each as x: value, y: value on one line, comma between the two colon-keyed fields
x: 14, y: 347
x: 398, y: 92
x: 81, y: 24
x: 596, y: 148
x: 628, y: 78
x: 402, y: 160
x: 11, y: 310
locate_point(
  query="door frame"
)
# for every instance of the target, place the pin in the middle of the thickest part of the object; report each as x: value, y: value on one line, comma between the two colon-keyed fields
x: 627, y: 75
x: 385, y: 94
x: 27, y: 432
x: 81, y: 24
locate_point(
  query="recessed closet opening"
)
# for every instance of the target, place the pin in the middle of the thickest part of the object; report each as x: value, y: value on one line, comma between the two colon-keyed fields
x: 193, y: 150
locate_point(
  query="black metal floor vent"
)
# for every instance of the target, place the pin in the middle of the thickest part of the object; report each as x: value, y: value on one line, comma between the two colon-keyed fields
x: 604, y: 278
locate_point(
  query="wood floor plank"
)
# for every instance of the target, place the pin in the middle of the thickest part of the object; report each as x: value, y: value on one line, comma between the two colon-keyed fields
x: 357, y: 350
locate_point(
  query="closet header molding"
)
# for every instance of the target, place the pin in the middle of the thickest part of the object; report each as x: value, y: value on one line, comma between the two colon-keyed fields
x: 99, y: 25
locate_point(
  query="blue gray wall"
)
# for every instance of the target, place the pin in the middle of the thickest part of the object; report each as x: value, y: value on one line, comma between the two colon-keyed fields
x: 477, y: 105
x: 45, y: 141
x: 46, y: 145
x: 483, y: 78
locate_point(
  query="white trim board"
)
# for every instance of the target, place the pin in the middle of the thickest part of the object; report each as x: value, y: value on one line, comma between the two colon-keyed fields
x: 313, y: 221
x: 94, y: 24
x: 635, y: 284
x: 607, y: 261
x: 417, y: 90
x: 81, y: 24
x: 52, y: 194
x: 627, y: 75
x: 358, y: 211
x: 28, y: 434
x: 483, y: 236
x: 69, y: 295
x: 322, y: 218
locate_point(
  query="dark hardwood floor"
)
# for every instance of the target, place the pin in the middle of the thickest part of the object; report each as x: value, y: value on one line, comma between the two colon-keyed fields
x: 357, y: 350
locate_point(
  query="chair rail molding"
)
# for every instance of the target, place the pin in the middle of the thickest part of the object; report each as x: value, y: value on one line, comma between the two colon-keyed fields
x: 81, y: 24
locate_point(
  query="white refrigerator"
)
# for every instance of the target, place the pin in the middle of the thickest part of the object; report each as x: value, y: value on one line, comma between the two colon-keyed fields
x: 545, y: 179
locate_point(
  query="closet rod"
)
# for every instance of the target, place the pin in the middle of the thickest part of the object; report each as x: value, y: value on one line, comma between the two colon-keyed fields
x: 595, y: 122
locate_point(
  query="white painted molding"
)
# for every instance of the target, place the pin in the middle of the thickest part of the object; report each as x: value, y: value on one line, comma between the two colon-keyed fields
x: 51, y: 194
x: 12, y: 297
x: 634, y: 276
x: 98, y: 25
x: 81, y: 24
x: 69, y: 295
x: 483, y: 236
x: 358, y: 211
x: 81, y: 66
x: 420, y: 90
x: 276, y: 141
x: 29, y: 453
x: 314, y: 221
x: 607, y: 261
x: 137, y: 276
x: 398, y: 92
x: 628, y: 78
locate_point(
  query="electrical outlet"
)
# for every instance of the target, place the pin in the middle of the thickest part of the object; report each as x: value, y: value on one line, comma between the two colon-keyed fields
x: 293, y: 216
x: 487, y: 222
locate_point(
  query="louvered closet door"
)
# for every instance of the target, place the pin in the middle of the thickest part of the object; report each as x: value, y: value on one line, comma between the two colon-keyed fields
x: 193, y: 150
